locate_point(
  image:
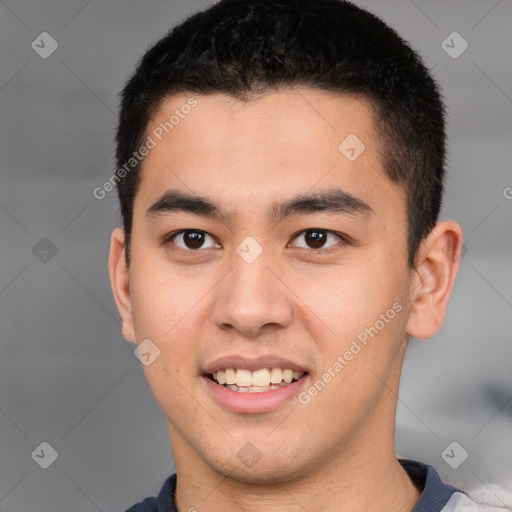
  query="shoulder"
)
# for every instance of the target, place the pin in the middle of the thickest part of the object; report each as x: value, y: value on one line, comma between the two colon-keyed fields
x: 462, y: 502
x: 146, y: 505
x: 164, y: 502
x: 437, y: 496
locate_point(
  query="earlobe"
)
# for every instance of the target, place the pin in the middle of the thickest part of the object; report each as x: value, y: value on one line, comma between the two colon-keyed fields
x: 437, y: 265
x: 119, y: 281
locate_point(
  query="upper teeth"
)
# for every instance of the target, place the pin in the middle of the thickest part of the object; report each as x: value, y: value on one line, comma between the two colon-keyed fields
x: 261, y: 377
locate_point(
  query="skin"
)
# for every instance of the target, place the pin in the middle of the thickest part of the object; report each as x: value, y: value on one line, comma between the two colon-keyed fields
x: 337, y: 452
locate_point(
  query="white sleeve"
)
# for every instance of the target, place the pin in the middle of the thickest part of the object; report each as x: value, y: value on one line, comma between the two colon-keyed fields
x: 479, y: 500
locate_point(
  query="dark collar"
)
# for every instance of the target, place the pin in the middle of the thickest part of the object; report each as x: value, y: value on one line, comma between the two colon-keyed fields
x: 435, y: 494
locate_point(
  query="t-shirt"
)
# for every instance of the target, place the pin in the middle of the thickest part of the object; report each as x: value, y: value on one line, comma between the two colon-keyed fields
x: 436, y: 496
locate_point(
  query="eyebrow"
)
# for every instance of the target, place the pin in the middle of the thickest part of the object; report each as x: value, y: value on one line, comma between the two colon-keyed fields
x: 333, y: 200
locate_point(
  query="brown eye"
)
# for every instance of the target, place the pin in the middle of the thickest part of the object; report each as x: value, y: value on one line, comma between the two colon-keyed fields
x: 316, y: 238
x: 192, y: 239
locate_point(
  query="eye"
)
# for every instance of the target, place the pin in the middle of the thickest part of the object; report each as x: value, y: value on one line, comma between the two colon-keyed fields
x: 192, y: 239
x: 317, y: 238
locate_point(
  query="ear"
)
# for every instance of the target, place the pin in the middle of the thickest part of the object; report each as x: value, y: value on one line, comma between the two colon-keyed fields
x: 437, y: 264
x: 119, y: 280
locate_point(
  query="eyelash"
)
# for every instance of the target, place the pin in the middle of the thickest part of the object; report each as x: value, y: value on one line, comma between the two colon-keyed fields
x: 345, y: 239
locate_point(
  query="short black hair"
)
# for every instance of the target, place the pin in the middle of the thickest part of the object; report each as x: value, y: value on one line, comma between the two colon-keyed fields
x: 248, y: 47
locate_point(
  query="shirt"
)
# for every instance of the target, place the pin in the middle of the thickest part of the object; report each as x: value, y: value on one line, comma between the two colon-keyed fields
x: 435, y: 497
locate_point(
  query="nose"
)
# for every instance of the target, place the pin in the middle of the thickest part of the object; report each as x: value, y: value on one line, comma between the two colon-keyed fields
x: 251, y: 299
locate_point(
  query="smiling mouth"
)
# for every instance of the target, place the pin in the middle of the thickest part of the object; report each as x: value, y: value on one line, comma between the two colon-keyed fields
x: 259, y: 381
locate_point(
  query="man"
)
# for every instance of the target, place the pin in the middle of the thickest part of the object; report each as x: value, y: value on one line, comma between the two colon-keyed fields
x: 281, y: 169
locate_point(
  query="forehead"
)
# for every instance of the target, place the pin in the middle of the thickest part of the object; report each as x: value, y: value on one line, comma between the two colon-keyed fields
x: 268, y: 148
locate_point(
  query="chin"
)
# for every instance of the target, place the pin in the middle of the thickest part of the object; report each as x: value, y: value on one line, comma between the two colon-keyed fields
x: 262, y: 476
x: 259, y: 470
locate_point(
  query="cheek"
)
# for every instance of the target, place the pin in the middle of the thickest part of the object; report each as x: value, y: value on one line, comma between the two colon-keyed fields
x: 166, y: 312
x: 357, y: 313
x: 348, y: 298
x: 166, y: 309
x: 365, y: 316
x: 157, y: 293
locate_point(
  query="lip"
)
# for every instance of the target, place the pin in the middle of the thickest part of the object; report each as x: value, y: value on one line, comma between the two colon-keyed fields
x: 238, y: 361
x: 253, y: 403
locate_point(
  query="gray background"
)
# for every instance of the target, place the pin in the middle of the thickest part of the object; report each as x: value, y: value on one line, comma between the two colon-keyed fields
x: 68, y: 377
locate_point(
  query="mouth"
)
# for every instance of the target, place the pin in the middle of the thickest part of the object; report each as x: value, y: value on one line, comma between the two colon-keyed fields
x: 259, y: 381
x: 244, y: 384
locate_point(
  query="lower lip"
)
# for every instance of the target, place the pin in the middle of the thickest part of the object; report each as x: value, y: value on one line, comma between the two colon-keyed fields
x: 254, y: 403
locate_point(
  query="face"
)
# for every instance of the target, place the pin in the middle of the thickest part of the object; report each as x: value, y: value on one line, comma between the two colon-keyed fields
x: 299, y: 263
